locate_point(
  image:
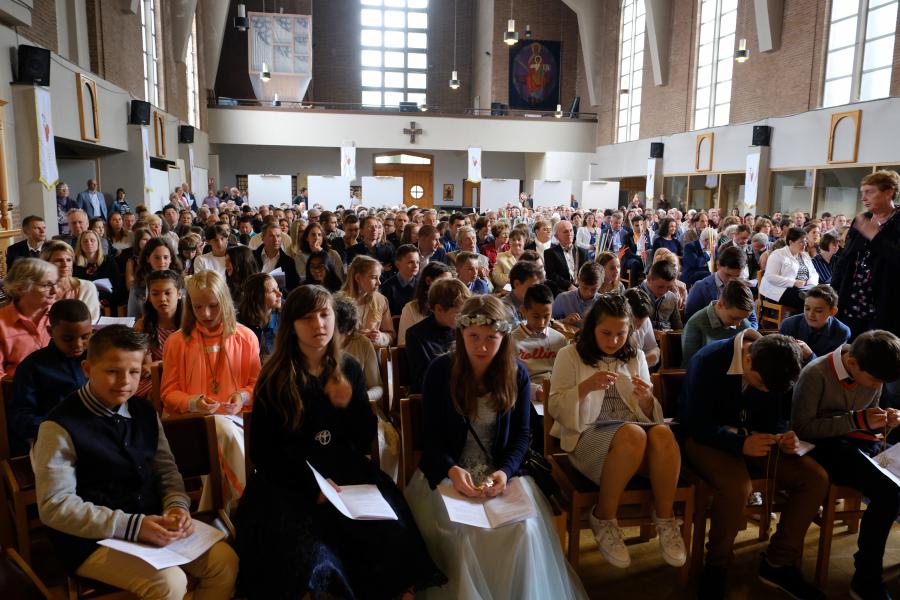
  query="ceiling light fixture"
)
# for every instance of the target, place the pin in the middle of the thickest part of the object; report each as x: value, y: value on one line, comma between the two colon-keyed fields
x: 454, y: 76
x: 240, y: 21
x: 265, y: 75
x: 510, y: 36
x: 559, y: 113
x: 742, y: 55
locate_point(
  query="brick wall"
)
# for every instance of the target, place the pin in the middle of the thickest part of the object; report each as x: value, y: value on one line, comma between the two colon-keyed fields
x: 336, y: 52
x: 440, y: 54
x: 550, y: 20
x: 114, y: 41
x: 606, y: 71
x: 43, y: 25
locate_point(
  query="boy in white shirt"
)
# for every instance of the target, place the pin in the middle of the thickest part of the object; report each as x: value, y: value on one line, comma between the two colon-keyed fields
x: 536, y: 341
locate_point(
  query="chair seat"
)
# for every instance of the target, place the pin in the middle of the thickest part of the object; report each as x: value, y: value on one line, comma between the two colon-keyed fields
x: 577, y: 481
x: 83, y: 588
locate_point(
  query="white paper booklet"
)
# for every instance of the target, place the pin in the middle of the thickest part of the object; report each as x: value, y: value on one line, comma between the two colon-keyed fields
x: 103, y: 284
x: 358, y: 502
x: 888, y: 462
x: 104, y: 321
x: 177, y: 553
x: 804, y: 448
x: 489, y: 513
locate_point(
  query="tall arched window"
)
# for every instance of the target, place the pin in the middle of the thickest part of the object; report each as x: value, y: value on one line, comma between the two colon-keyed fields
x: 193, y: 79
x: 151, y: 52
x: 631, y: 70
x: 394, y: 55
x: 715, y: 60
x: 860, y: 51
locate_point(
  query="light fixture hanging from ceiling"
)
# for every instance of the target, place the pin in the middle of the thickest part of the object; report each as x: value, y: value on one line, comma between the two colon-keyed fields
x: 240, y: 21
x: 559, y: 112
x: 742, y: 54
x: 264, y: 75
x: 454, y: 76
x: 510, y: 36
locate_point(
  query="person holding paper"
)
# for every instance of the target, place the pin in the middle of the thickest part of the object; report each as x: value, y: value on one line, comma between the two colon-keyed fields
x: 126, y: 485
x: 91, y: 264
x: 311, y: 408
x: 611, y: 425
x: 211, y: 366
x: 477, y: 402
x: 162, y: 314
x: 361, y: 286
x: 836, y: 407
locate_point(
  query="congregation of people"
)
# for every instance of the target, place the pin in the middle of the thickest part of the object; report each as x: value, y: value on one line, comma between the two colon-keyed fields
x: 787, y: 329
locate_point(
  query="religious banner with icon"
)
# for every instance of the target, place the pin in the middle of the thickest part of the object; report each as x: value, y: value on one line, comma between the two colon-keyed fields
x: 145, y: 153
x: 751, y: 182
x: 48, y: 171
x: 534, y: 71
x: 474, y: 165
x: 348, y: 160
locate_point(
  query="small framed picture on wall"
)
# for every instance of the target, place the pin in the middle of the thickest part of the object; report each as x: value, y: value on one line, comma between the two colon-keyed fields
x: 448, y: 192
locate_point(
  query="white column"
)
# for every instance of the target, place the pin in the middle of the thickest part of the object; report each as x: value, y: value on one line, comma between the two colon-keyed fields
x: 34, y: 198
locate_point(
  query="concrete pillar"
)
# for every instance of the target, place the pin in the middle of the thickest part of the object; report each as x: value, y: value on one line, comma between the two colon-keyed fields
x: 126, y: 169
x: 654, y: 179
x: 756, y: 182
x: 34, y: 198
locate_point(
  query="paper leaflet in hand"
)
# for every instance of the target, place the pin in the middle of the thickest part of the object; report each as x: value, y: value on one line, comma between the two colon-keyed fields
x: 177, y: 553
x: 359, y: 502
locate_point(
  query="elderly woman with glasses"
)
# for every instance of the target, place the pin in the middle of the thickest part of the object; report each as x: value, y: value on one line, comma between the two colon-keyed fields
x: 61, y: 255
x: 31, y: 283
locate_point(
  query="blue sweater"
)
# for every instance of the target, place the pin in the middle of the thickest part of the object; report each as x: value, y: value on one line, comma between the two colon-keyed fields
x: 702, y: 293
x: 712, y: 403
x: 694, y: 263
x: 446, y: 430
x: 825, y: 340
x: 42, y: 381
x: 425, y: 341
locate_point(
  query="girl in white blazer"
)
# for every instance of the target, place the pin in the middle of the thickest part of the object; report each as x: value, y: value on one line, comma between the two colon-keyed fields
x: 789, y: 272
x: 612, y: 427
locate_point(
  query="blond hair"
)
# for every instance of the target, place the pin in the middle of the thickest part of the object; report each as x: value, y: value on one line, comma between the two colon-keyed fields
x: 80, y: 259
x: 212, y: 281
x: 361, y: 265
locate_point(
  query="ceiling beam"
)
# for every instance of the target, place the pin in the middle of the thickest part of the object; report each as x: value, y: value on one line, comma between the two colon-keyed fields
x: 769, y: 17
x: 659, y: 36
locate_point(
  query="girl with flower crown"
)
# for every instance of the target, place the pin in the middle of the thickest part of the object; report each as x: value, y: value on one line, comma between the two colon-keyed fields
x: 476, y: 437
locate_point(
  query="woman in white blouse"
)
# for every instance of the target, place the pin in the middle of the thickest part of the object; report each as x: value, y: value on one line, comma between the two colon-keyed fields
x: 789, y: 272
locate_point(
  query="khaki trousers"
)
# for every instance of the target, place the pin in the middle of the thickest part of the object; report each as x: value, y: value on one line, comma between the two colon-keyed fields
x: 802, y: 477
x: 216, y: 571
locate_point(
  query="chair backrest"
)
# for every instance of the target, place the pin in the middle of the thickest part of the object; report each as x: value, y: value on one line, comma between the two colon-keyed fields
x: 6, y: 394
x: 156, y: 386
x: 248, y: 463
x: 196, y: 451
x: 17, y: 580
x: 670, y: 349
x: 387, y: 379
x: 400, y: 367
x: 551, y: 444
x: 412, y: 432
x: 667, y: 389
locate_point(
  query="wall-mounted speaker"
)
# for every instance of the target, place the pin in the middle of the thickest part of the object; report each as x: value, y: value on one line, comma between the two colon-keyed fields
x: 185, y: 134
x: 140, y: 113
x: 656, y: 149
x: 762, y: 135
x: 34, y: 65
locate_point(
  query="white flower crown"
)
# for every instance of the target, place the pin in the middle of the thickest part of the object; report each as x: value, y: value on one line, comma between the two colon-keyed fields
x: 500, y: 325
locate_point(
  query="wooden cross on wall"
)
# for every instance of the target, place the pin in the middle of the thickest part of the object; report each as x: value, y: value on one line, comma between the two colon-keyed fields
x: 412, y: 132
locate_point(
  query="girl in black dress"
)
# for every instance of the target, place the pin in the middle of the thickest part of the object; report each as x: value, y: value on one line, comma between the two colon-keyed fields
x: 310, y: 404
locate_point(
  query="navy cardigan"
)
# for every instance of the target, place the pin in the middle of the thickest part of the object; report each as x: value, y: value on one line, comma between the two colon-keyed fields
x: 446, y: 430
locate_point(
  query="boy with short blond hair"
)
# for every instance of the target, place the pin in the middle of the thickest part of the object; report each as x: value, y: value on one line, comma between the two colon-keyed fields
x: 103, y: 469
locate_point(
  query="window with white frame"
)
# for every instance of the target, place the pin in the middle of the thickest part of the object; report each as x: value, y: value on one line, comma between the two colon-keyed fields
x: 631, y: 70
x: 715, y: 62
x: 860, y: 51
x: 151, y: 52
x: 394, y: 49
x: 193, y: 80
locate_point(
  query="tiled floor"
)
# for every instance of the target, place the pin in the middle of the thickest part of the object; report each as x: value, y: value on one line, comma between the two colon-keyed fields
x: 649, y: 578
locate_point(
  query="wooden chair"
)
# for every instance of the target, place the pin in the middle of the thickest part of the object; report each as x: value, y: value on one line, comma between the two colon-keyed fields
x: 669, y: 350
x: 195, y: 448
x: 387, y: 380
x: 850, y: 514
x: 18, y: 581
x: 156, y: 386
x: 248, y: 462
x: 412, y: 430
x: 771, y: 313
x: 6, y: 395
x: 21, y: 501
x: 400, y: 372
x: 635, y: 505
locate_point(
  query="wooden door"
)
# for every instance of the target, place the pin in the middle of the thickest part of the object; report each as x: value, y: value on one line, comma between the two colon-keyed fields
x: 418, y: 182
x: 471, y: 194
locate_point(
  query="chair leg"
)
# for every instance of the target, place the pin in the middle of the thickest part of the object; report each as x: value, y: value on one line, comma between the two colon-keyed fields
x: 23, y: 535
x: 684, y: 573
x: 574, y: 533
x: 852, y: 504
x: 699, y: 533
x: 826, y: 533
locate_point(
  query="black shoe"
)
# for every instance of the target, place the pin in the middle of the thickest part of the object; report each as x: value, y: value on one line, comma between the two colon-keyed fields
x: 868, y: 588
x: 789, y: 580
x: 712, y: 583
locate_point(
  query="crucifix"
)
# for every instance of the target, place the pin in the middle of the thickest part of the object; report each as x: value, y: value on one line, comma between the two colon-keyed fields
x: 412, y: 131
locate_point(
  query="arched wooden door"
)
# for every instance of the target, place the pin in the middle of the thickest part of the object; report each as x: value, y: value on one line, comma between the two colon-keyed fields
x: 417, y: 171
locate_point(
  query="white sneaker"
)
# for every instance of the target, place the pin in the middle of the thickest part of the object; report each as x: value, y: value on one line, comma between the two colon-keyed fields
x: 671, y: 544
x: 610, y: 541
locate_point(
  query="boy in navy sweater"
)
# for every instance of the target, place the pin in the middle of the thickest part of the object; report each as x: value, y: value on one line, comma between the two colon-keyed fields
x: 818, y: 326
x: 103, y: 469
x: 47, y: 376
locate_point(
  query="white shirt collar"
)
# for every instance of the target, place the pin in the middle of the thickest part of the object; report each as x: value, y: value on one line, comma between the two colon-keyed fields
x: 737, y: 361
x: 839, y: 368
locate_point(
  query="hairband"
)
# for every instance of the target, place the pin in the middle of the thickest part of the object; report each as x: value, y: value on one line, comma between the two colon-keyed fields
x: 500, y: 325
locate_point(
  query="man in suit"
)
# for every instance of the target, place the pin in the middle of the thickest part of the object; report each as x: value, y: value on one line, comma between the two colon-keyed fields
x: 77, y: 222
x: 63, y: 205
x: 35, y: 230
x: 188, y: 200
x: 270, y: 257
x: 562, y: 261
x: 92, y: 201
x: 429, y: 246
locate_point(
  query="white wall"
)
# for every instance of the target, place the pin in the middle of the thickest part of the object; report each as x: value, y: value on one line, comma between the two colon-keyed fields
x: 284, y: 127
x: 449, y: 166
x: 77, y: 172
x: 798, y: 141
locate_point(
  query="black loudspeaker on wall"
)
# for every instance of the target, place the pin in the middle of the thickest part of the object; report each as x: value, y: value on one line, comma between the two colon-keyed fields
x: 656, y: 149
x: 140, y: 113
x: 762, y: 135
x: 34, y: 65
x: 185, y: 134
